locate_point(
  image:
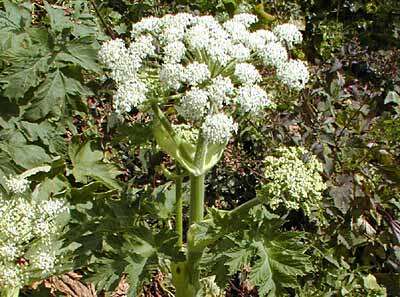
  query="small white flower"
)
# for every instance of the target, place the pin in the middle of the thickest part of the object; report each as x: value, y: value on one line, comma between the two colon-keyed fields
x: 198, y: 37
x: 172, y: 34
x: 53, y: 207
x: 246, y: 19
x: 218, y: 128
x: 130, y: 94
x: 126, y: 68
x: 25, y: 226
x: 45, y: 262
x: 179, y: 20
x: 292, y: 182
x: 218, y: 50
x: 172, y: 75
x: 146, y: 25
x: 10, y: 276
x: 220, y: 90
x: 17, y: 185
x: 289, y: 34
x: 252, y: 99
x: 258, y: 39
x: 195, y: 73
x: 237, y: 31
x: 142, y: 47
x: 43, y: 228
x: 206, y: 20
x: 273, y: 54
x: 111, y: 51
x: 194, y: 104
x: 239, y: 52
x: 247, y: 73
x: 294, y: 74
x: 8, y: 251
x: 174, y: 52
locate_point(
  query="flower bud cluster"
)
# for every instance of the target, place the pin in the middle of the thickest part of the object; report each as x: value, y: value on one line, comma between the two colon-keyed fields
x: 294, y: 180
x: 28, y: 228
x: 209, y: 66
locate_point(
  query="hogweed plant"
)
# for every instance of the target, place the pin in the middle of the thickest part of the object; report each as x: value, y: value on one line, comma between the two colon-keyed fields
x: 210, y: 73
x: 29, y: 227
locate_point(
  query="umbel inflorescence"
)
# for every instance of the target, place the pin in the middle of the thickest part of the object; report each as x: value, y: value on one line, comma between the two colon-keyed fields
x: 28, y: 229
x: 293, y: 180
x: 208, y: 69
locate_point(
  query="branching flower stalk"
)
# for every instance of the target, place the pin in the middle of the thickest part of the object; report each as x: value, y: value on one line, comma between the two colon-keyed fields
x: 210, y: 73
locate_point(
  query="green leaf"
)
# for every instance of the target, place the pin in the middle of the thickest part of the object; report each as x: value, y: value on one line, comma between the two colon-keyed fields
x: 77, y: 52
x: 238, y: 258
x: 370, y: 282
x: 28, y: 155
x: 87, y: 163
x: 46, y: 133
x: 133, y: 272
x: 136, y: 134
x: 163, y: 202
x: 107, y: 273
x: 281, y: 259
x: 53, y: 95
x: 25, y: 74
x: 58, y: 20
x: 11, y: 40
x: 15, y: 16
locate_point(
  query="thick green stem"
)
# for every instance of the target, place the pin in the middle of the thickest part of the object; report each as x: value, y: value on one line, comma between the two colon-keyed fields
x: 178, y: 202
x: 9, y: 292
x: 196, y: 198
x: 197, y: 184
x: 197, y: 190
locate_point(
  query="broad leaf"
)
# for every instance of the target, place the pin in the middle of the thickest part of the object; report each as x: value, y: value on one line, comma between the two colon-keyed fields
x: 239, y: 257
x: 25, y: 73
x: 87, y: 164
x: 53, y: 95
x: 15, y: 16
x: 58, y: 20
x: 28, y: 155
x: 84, y: 55
x: 281, y: 259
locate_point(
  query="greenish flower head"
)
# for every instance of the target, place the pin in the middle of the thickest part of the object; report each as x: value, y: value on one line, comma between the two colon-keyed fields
x: 187, y: 133
x: 295, y: 181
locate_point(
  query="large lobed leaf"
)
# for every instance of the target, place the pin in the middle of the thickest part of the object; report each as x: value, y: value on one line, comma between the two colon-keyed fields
x: 274, y: 258
x: 87, y: 163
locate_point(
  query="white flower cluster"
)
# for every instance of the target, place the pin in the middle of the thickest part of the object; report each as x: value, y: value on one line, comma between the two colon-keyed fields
x: 218, y: 128
x: 294, y: 74
x: 209, y: 65
x: 17, y: 185
x: 294, y: 180
x: 27, y: 229
x: 289, y: 34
